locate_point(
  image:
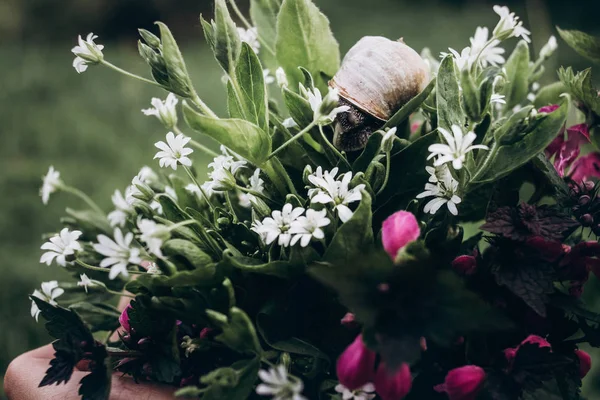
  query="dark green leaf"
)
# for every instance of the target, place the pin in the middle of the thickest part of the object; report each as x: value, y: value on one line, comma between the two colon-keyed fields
x: 448, y: 96
x: 281, y: 268
x: 180, y: 250
x: 546, y: 168
x: 549, y: 94
x: 580, y: 86
x: 235, y: 382
x: 238, y: 333
x: 517, y: 73
x: 99, y: 316
x: 298, y: 107
x: 96, y: 385
x: 264, y: 17
x: 584, y: 44
x: 227, y: 44
x: 179, y: 80
x: 410, y: 107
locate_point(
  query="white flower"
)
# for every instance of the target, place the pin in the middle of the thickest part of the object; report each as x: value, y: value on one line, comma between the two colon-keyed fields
x: 485, y: 52
x: 147, y: 175
x: 153, y: 234
x: 50, y: 291
x: 85, y: 282
x: 268, y: 78
x: 118, y: 217
x: 462, y: 60
x: 278, y: 225
x: 535, y: 86
x: 174, y: 151
x: 281, y: 77
x: 387, y: 141
x: 60, y: 247
x: 307, y: 227
x: 87, y: 53
x: 280, y: 385
x: 289, y: 123
x: 549, y: 48
x: 334, y: 191
x: 51, y: 183
x: 497, y: 98
x: 119, y: 253
x: 256, y: 184
x: 165, y: 111
x: 444, y: 191
x: 324, y: 109
x: 509, y: 25
x: 366, y: 392
x: 531, y: 97
x: 224, y: 168
x: 456, y: 148
x: 250, y: 36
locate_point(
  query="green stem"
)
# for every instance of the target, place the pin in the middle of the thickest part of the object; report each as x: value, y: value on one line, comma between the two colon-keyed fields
x: 182, y: 223
x: 334, y: 150
x: 120, y: 293
x: 230, y: 205
x: 203, y: 107
x: 293, y: 139
x: 250, y: 26
x: 486, y: 162
x: 197, y: 145
x: 193, y: 178
x: 387, y: 172
x: 83, y: 197
x: 91, y: 267
x: 129, y: 74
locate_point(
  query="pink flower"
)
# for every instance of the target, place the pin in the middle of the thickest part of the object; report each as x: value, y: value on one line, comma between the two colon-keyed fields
x: 356, y: 366
x: 465, y: 264
x: 585, y: 362
x: 124, y: 319
x: 586, y: 167
x: 463, y: 383
x: 549, y: 109
x: 398, y: 230
x: 567, y: 151
x: 511, y: 353
x: 349, y: 321
x: 577, y: 264
x: 392, y: 385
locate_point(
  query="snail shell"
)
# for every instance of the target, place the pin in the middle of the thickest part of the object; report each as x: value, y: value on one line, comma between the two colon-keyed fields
x: 377, y: 77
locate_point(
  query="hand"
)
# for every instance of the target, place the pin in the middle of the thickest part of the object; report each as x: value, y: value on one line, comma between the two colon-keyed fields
x: 26, y: 372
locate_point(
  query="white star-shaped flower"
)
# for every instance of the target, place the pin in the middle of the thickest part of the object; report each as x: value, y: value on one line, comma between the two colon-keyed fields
x: 50, y: 291
x: 51, y: 183
x: 87, y: 53
x: 174, y: 152
x: 444, y: 191
x: 123, y: 209
x: 498, y: 99
x: 336, y: 192
x: 324, y: 109
x: 250, y: 36
x: 307, y: 227
x: 278, y: 384
x: 153, y: 234
x: 509, y: 25
x: 61, y: 246
x: 85, y: 282
x: 486, y: 52
x: 118, y: 253
x: 458, y: 145
x: 268, y: 77
x: 165, y: 111
x: 278, y: 225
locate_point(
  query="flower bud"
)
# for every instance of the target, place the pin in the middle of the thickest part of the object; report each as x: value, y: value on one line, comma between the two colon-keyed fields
x: 463, y: 383
x: 387, y: 142
x: 549, y: 48
x: 282, y: 80
x: 151, y: 39
x: 398, y: 230
x: 355, y: 366
x: 124, y: 319
x: 586, y: 220
x: 585, y: 362
x: 349, y: 321
x: 535, y: 339
x: 392, y: 385
x: 465, y: 265
x: 223, y: 180
x: 260, y: 209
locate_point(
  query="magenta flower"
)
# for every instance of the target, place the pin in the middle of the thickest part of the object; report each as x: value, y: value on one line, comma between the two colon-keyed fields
x: 356, y: 365
x: 565, y: 152
x: 586, y: 167
x: 577, y: 264
x: 511, y: 353
x: 463, y: 383
x: 585, y: 362
x: 392, y: 385
x: 124, y: 319
x: 398, y: 230
x: 465, y: 264
x: 549, y: 109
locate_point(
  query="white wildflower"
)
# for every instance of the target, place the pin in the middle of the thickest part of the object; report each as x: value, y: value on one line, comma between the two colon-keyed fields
x: 549, y: 48
x: 324, y: 109
x: 535, y: 86
x: 484, y: 51
x: 336, y: 192
x: 281, y: 77
x: 509, y: 25
x: 531, y: 97
x: 307, y: 227
x: 268, y: 77
x: 497, y: 98
x: 365, y: 392
x: 250, y: 36
x: 85, y: 282
x: 119, y: 253
x: 462, y: 60
x: 51, y: 183
x: 174, y: 151
x: 61, y: 246
x: 280, y: 385
x: 165, y: 111
x: 153, y: 234
x: 278, y: 225
x: 147, y: 175
x: 456, y: 148
x: 123, y: 209
x: 289, y: 123
x: 87, y: 53
x: 50, y: 291
x: 444, y: 190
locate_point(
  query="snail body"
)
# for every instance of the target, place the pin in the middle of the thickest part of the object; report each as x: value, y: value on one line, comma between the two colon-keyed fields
x: 377, y: 77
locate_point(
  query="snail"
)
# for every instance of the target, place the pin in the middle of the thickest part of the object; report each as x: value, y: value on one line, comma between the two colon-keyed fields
x: 377, y: 77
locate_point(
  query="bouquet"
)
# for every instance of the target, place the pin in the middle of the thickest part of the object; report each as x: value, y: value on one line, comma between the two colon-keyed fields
x: 392, y: 225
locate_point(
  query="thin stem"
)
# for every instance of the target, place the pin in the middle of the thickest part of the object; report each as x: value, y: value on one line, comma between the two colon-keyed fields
x: 91, y: 267
x: 486, y: 162
x: 193, y: 178
x: 293, y: 139
x: 129, y: 74
x: 182, y: 223
x: 120, y: 293
x: 82, y: 196
x: 202, y: 105
x: 335, y: 151
x: 387, y: 172
x: 228, y: 200
x: 197, y: 145
x: 250, y: 26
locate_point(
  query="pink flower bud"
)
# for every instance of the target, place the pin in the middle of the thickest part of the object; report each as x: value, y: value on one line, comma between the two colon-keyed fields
x: 398, y: 230
x: 124, y: 319
x: 535, y: 339
x: 549, y: 109
x: 465, y: 265
x: 510, y: 354
x: 205, y: 333
x: 463, y: 383
x: 393, y: 385
x: 356, y: 366
x: 349, y: 321
x: 585, y: 362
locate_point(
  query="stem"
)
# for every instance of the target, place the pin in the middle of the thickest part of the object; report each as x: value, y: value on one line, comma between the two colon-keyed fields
x: 228, y: 200
x: 486, y: 162
x: 250, y: 26
x: 91, y: 267
x: 193, y: 178
x: 293, y: 139
x: 129, y: 74
x: 120, y: 293
x: 387, y: 173
x: 182, y: 223
x: 83, y: 197
x: 205, y: 109
x: 197, y: 145
x: 335, y: 151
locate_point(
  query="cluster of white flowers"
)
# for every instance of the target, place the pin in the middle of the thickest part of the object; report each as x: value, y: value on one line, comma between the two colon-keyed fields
x: 50, y: 291
x: 87, y: 53
x: 365, y: 392
x: 174, y: 152
x: 443, y: 188
x: 250, y: 36
x: 324, y: 109
x: 118, y: 253
x: 165, y: 111
x: 51, y: 183
x: 279, y: 384
x: 327, y: 190
x: 61, y: 246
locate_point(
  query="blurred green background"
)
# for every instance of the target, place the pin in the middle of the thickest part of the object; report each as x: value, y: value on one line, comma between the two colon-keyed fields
x: 90, y: 127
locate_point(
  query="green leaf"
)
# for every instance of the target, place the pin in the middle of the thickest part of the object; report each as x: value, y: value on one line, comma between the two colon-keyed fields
x: 249, y: 85
x: 511, y: 156
x: 354, y: 236
x: 242, y: 137
x: 235, y: 382
x: 517, y: 73
x: 555, y: 182
x: 89, y: 222
x: 99, y: 316
x: 371, y: 150
x: 238, y: 333
x: 264, y: 17
x: 62, y: 323
x: 298, y: 107
x: 226, y: 41
x: 470, y: 95
x: 410, y: 107
x: 304, y: 39
x: 187, y: 253
x: 179, y: 80
x: 170, y: 209
x: 281, y: 268
x: 549, y: 94
x: 586, y: 45
x: 447, y: 91
x: 580, y: 86
x: 203, y: 277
